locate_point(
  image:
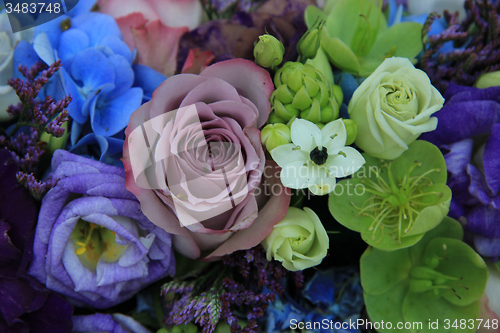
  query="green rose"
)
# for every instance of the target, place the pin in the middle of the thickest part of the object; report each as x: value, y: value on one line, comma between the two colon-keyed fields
x: 438, y: 279
x: 299, y: 241
x: 392, y: 107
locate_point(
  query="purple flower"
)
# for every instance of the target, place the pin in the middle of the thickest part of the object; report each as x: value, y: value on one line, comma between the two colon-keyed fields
x: 99, y: 322
x: 469, y: 129
x: 92, y: 242
x: 26, y: 306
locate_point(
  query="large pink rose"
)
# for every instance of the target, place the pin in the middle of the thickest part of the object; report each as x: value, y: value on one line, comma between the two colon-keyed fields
x: 154, y: 27
x: 194, y: 160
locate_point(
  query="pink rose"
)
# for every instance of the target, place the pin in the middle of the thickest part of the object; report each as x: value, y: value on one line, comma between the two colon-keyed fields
x: 194, y: 160
x: 154, y: 27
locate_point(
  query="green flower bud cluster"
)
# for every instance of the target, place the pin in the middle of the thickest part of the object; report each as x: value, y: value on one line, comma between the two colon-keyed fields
x: 274, y: 135
x: 268, y: 51
x: 303, y: 92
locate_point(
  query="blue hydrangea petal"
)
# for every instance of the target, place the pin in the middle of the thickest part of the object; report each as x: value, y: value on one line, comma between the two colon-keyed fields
x: 71, y: 43
x: 489, y: 247
x: 118, y: 46
x: 81, y: 6
x: 107, y: 149
x: 97, y: 26
x: 24, y: 54
x: 148, y: 79
x: 44, y: 49
x: 113, y: 115
x: 93, y: 69
x: 52, y: 29
x: 123, y: 73
x: 321, y: 288
x: 75, y: 107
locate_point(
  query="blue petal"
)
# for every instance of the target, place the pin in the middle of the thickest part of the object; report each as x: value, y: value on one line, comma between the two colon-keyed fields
x: 463, y: 118
x: 93, y: 69
x: 457, y: 161
x: 491, y: 160
x: 349, y: 84
x: 456, y: 210
x: 489, y: 247
x: 52, y: 29
x: 148, y: 79
x: 124, y: 75
x: 118, y: 46
x: 483, y: 220
x: 97, y: 26
x: 76, y: 105
x: 113, y: 115
x: 107, y: 150
x: 72, y: 42
x: 321, y: 288
x: 44, y: 49
x: 25, y: 55
x: 76, y: 130
x: 478, y: 187
x: 75, y: 7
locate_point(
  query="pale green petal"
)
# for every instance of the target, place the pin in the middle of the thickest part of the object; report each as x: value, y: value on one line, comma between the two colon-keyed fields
x: 287, y: 154
x: 306, y: 134
x: 344, y: 162
x: 334, y: 135
x: 296, y: 175
x: 323, y: 184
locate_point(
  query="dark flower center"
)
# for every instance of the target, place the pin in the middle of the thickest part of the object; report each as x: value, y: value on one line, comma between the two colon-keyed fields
x: 319, y: 156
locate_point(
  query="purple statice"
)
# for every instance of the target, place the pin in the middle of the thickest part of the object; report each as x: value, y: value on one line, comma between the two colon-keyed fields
x: 243, y: 280
x: 35, y: 117
x: 476, y: 45
x: 111, y: 323
x: 26, y: 305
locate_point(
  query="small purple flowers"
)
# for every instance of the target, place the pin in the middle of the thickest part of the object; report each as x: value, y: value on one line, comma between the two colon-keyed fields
x: 92, y: 242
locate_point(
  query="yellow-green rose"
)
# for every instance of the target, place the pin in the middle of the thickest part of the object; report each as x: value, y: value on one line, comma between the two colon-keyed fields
x: 299, y: 241
x: 392, y: 107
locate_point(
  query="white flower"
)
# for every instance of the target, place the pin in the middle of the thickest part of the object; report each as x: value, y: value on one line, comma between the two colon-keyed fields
x: 8, y: 42
x: 316, y: 157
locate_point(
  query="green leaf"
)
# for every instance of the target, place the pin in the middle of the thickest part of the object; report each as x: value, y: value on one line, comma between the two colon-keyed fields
x: 422, y: 307
x: 461, y: 262
x: 448, y: 228
x: 339, y: 53
x: 387, y: 307
x: 381, y: 271
x: 400, y: 40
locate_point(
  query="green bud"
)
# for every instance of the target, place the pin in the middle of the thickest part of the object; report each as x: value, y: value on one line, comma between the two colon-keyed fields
x: 268, y: 52
x: 302, y: 91
x: 488, y: 80
x: 54, y: 143
x: 339, y: 95
x: 351, y: 129
x: 309, y: 44
x: 274, y: 135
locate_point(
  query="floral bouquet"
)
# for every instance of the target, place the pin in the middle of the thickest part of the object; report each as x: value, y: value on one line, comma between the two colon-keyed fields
x: 178, y: 166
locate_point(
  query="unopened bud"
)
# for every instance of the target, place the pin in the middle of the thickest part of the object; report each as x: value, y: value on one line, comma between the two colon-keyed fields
x: 309, y: 44
x: 54, y: 143
x: 351, y: 129
x: 274, y: 135
x: 268, y: 52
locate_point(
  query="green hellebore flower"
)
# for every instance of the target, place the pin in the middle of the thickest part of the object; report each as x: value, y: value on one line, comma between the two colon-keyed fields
x: 394, y: 203
x: 357, y: 39
x: 304, y: 92
x: 438, y: 279
x: 268, y: 52
x: 274, y: 135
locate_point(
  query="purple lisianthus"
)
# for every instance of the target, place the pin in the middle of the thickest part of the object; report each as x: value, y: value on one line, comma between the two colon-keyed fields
x: 469, y: 132
x: 100, y: 322
x: 92, y: 242
x: 26, y: 305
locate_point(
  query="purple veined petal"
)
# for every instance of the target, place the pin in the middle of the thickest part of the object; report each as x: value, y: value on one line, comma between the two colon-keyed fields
x: 457, y: 159
x: 457, y: 211
x: 478, y: 187
x: 457, y: 93
x: 491, y: 160
x: 483, y: 220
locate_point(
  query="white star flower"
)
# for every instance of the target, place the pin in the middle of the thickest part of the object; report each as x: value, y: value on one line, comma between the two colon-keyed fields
x: 316, y: 157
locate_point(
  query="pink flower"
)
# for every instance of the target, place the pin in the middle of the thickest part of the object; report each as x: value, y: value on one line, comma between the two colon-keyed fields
x: 194, y: 160
x: 154, y: 27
